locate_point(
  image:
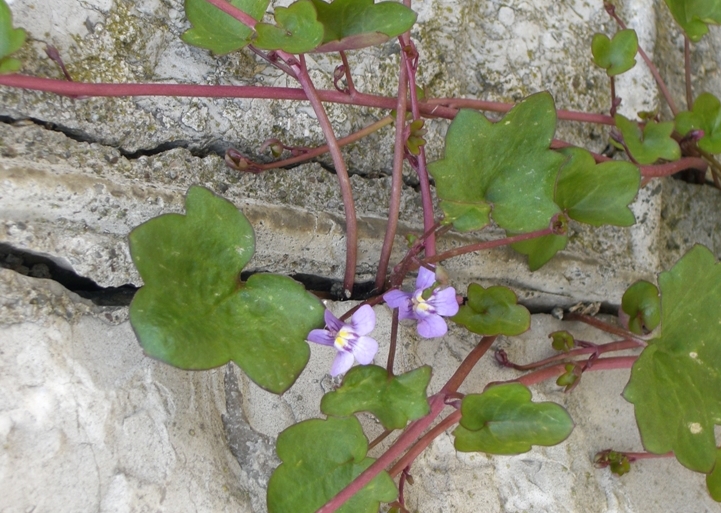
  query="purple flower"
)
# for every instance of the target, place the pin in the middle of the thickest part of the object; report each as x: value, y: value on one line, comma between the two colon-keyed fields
x: 426, y: 305
x: 348, y: 339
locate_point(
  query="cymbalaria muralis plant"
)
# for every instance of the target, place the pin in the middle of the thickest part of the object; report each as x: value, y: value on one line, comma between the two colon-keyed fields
x: 194, y: 311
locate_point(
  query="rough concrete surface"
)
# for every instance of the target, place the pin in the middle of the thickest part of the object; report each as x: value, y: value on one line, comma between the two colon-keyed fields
x: 87, y: 423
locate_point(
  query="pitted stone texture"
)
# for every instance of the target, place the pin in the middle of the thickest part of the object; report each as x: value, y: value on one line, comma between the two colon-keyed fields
x: 88, y: 423
x: 489, y: 50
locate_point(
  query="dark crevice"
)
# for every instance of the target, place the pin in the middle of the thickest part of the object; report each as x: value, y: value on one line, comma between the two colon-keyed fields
x: 39, y: 266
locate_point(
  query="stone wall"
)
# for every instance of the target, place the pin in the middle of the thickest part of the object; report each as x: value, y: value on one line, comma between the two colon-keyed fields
x: 88, y: 423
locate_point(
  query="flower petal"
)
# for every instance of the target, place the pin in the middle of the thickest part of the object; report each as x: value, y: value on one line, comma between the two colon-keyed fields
x: 402, y: 301
x: 426, y: 278
x: 432, y: 326
x: 343, y: 361
x: 332, y: 322
x: 365, y: 350
x: 363, y: 320
x: 322, y: 337
x: 445, y: 302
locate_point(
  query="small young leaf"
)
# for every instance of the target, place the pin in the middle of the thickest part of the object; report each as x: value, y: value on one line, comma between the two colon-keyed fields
x: 319, y: 459
x: 596, y: 194
x: 393, y: 401
x: 493, y: 311
x: 643, y: 306
x: 194, y: 313
x: 653, y: 143
x: 675, y: 384
x: 713, y: 479
x: 11, y: 39
x: 507, y: 164
x: 569, y: 378
x: 353, y: 24
x: 694, y: 15
x: 217, y: 31
x: 298, y: 29
x: 615, y: 55
x: 706, y: 116
x: 503, y: 420
x: 562, y: 341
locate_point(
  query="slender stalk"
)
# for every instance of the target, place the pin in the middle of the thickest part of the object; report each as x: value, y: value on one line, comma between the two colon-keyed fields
x: 602, y: 325
x: 619, y: 345
x: 610, y: 363
x: 320, y: 150
x: 394, y: 338
x: 351, y: 225
x: 423, y: 442
x: 671, y: 168
x: 74, y: 89
x: 565, y: 115
x: 422, y: 170
x: 467, y: 365
x: 348, y: 76
x: 687, y: 71
x: 481, y: 246
x: 635, y: 456
x: 380, y: 438
x: 611, y: 9
x: 394, y: 204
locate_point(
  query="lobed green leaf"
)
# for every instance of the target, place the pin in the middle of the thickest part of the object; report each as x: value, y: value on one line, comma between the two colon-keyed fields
x: 298, y: 29
x: 319, y: 459
x: 713, y: 479
x: 615, y: 55
x: 694, y: 16
x: 217, y: 31
x: 195, y: 313
x: 655, y: 142
x: 503, y: 420
x: 642, y: 304
x: 11, y: 39
x: 596, y: 194
x: 394, y: 401
x: 507, y: 166
x: 705, y: 115
x: 493, y: 311
x: 353, y: 24
x: 675, y: 384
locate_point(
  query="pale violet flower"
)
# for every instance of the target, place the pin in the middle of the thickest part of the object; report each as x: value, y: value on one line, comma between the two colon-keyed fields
x: 349, y: 339
x: 426, y: 304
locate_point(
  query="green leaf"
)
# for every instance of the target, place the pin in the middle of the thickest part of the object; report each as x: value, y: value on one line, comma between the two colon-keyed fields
x: 11, y: 39
x: 569, y: 378
x: 713, y: 479
x: 562, y: 341
x: 217, y: 31
x: 507, y: 165
x: 643, y: 306
x: 353, y: 24
x: 694, y: 15
x: 541, y: 250
x: 706, y: 116
x: 493, y: 311
x: 503, y: 420
x: 675, y: 384
x: 653, y: 143
x: 393, y: 401
x: 194, y: 313
x: 616, y: 55
x: 298, y: 29
x: 596, y: 194
x: 320, y: 458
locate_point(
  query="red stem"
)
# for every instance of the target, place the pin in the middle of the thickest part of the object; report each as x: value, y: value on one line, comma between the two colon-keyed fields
x: 412, y: 432
x: 687, y: 71
x: 671, y: 168
x: 351, y: 225
x: 602, y: 325
x: 396, y: 180
x: 611, y: 363
x: 619, y: 345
